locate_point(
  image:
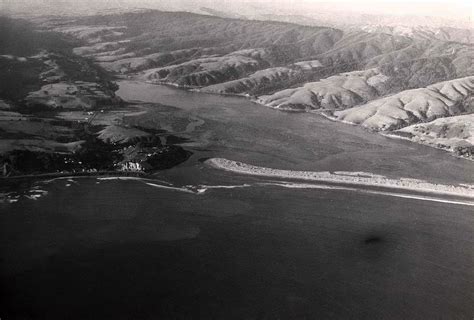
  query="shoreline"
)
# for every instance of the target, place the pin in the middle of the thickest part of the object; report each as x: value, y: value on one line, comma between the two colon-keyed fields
x: 195, y: 89
x: 44, y: 176
x: 392, y: 135
x: 450, y: 151
x: 322, y: 113
x: 352, y: 179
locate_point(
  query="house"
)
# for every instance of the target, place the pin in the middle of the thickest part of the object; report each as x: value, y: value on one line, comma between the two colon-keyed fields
x: 131, y: 166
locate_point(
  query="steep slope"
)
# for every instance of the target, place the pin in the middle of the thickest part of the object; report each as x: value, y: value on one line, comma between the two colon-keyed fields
x: 412, y: 106
x: 458, y: 56
x: 71, y: 95
x: 39, y: 80
x: 455, y: 134
x: 193, y: 50
x: 119, y: 134
x: 349, y: 89
x: 335, y: 92
x: 225, y: 55
x: 359, y: 47
x: 93, y: 34
x: 424, y: 32
x: 154, y: 60
x: 156, y: 31
x: 259, y: 81
x: 382, y: 78
x: 212, y: 70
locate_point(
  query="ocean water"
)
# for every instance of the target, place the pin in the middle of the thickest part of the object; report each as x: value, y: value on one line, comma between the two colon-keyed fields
x: 200, y: 243
x: 125, y: 249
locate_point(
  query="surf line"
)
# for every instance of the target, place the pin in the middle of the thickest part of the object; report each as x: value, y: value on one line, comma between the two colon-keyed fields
x: 363, y: 181
x: 169, y: 188
x: 361, y: 190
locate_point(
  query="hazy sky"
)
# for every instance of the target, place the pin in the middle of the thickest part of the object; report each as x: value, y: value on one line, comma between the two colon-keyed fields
x: 441, y: 8
x: 425, y: 7
x: 444, y: 8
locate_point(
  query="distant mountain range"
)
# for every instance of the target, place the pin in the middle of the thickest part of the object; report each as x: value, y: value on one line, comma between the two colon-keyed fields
x: 333, y: 14
x: 340, y: 72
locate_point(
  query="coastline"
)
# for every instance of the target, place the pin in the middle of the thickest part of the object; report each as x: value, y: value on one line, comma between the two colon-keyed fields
x: 448, y: 150
x: 323, y: 113
x: 347, y: 179
x: 196, y: 89
x: 64, y: 175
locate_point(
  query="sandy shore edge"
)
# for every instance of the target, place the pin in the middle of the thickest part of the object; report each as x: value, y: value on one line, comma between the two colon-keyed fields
x: 346, y: 178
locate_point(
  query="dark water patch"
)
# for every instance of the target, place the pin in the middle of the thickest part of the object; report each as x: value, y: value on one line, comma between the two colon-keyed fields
x: 172, y: 139
x: 374, y: 246
x: 372, y: 240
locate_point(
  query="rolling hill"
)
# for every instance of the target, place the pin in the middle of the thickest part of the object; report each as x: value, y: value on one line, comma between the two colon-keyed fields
x: 442, y: 99
x: 191, y: 50
x: 364, y: 75
x: 455, y: 134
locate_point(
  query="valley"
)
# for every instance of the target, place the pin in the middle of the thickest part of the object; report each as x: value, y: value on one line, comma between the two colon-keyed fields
x: 59, y: 113
x: 285, y: 66
x: 171, y: 165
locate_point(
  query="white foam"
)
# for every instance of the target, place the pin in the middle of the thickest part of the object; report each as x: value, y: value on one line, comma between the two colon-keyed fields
x: 305, y: 186
x: 423, y: 198
x: 225, y: 187
x: 132, y: 179
x: 169, y: 188
x: 35, y: 194
x: 351, y: 179
x: 118, y: 178
x: 383, y: 193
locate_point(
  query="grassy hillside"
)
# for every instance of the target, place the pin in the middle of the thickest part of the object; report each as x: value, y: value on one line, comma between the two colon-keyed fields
x: 284, y: 65
x: 442, y: 99
x: 40, y: 78
x: 193, y: 50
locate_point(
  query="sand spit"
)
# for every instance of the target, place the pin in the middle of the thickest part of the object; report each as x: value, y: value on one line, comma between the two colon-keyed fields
x: 346, y: 179
x: 290, y: 185
x: 337, y: 181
